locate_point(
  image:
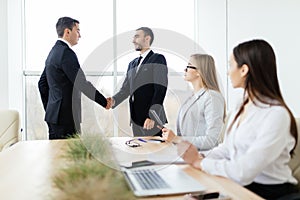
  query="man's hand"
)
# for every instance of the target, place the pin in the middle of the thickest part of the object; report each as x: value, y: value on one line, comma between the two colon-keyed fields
x: 110, y: 103
x: 148, y: 124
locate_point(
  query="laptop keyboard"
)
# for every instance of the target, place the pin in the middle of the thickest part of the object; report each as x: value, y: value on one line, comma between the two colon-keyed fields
x: 149, y: 179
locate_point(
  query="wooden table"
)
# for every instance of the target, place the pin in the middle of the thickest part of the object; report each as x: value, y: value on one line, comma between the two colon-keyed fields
x: 223, y: 185
x: 26, y: 169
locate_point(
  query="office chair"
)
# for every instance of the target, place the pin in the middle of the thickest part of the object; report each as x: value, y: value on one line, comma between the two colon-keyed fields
x: 9, y: 128
x: 295, y: 166
x: 295, y: 161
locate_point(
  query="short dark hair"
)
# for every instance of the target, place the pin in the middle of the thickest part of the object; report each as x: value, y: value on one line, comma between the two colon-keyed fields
x: 63, y: 23
x: 147, y: 31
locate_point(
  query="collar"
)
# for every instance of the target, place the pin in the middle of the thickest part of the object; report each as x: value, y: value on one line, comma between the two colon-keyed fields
x: 145, y: 53
x: 269, y: 102
x: 65, y: 41
x: 200, y: 92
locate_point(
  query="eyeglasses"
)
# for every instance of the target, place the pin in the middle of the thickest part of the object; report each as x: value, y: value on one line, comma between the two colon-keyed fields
x: 191, y: 67
x: 131, y: 143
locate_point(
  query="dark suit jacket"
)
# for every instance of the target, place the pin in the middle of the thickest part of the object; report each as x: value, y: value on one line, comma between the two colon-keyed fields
x: 146, y: 89
x: 61, y: 84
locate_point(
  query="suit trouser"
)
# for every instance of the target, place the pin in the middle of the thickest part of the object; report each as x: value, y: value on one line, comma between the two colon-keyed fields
x: 140, y: 131
x: 61, y: 131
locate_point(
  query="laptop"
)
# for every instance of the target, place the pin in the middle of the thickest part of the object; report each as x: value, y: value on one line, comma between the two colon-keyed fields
x: 150, y: 179
x: 157, y: 180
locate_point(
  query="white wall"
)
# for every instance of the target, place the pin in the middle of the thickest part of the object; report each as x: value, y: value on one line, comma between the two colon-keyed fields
x: 15, y: 55
x: 3, y: 55
x: 212, y: 33
x: 276, y: 21
x: 11, y: 79
x: 11, y: 55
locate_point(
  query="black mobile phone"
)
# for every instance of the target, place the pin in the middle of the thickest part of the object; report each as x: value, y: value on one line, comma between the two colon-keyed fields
x: 211, y: 195
x: 142, y: 163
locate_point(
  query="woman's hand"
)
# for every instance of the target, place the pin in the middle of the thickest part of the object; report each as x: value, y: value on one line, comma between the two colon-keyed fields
x: 189, y: 154
x: 168, y: 134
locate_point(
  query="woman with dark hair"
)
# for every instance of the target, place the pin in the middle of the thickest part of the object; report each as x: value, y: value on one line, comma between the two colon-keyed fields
x: 262, y: 133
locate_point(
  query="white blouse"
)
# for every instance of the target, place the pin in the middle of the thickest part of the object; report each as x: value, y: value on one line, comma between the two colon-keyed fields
x: 257, y: 150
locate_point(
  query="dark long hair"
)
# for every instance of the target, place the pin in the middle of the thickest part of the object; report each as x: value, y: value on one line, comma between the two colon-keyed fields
x: 261, y: 82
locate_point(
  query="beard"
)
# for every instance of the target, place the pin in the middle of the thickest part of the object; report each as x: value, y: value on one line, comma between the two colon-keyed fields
x: 138, y: 47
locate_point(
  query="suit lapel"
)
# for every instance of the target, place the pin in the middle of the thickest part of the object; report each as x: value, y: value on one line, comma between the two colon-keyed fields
x: 133, y: 69
x: 184, y: 112
x: 144, y: 62
x: 147, y: 57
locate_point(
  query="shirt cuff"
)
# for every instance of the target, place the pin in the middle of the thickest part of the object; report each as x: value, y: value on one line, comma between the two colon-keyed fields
x: 207, y: 165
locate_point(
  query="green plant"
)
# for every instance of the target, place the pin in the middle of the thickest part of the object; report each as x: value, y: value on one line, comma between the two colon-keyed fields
x: 84, y: 177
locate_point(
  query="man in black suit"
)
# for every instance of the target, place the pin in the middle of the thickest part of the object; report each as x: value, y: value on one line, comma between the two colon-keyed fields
x: 62, y: 82
x: 146, y: 84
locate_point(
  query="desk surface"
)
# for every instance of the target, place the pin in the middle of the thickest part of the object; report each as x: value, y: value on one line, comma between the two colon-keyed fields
x: 27, y: 167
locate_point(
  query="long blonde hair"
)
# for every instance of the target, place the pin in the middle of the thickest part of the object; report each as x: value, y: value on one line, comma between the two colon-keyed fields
x: 206, y: 67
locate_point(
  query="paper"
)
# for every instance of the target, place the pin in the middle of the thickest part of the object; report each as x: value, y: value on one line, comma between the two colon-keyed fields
x: 167, y: 155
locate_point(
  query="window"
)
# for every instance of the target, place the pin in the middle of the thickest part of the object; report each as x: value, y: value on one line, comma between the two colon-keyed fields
x: 99, y: 21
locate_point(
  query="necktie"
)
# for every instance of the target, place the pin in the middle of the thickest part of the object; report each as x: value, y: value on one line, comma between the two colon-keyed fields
x: 139, y: 60
x: 137, y: 65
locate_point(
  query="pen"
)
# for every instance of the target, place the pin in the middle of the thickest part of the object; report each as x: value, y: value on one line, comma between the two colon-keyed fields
x: 156, y: 140
x: 142, y: 140
x: 160, y: 127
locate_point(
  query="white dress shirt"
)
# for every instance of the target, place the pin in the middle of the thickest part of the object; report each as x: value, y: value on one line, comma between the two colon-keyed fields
x: 257, y: 150
x: 65, y: 41
x: 200, y: 118
x: 143, y: 58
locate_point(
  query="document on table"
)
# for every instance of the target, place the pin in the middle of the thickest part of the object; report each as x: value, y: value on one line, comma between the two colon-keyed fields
x: 167, y: 155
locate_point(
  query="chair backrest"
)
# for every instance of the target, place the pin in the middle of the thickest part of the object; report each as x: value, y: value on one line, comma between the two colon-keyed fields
x: 9, y: 128
x: 295, y: 161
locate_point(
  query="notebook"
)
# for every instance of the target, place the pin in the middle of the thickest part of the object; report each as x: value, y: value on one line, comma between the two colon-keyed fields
x: 160, y: 180
x: 167, y: 155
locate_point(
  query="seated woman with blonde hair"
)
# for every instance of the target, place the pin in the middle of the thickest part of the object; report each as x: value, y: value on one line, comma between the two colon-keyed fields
x: 262, y: 132
x: 201, y: 116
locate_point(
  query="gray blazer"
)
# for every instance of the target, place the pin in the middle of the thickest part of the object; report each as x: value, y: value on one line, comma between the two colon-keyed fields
x: 200, y: 118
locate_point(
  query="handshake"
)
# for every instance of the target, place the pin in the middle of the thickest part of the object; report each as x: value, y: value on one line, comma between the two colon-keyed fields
x: 110, y: 103
x: 148, y: 124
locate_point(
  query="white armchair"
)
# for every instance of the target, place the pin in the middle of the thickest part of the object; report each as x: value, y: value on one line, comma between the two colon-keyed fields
x: 9, y: 128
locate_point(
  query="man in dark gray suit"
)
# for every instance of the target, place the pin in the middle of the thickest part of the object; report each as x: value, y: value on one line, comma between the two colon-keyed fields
x: 62, y: 82
x: 146, y: 84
